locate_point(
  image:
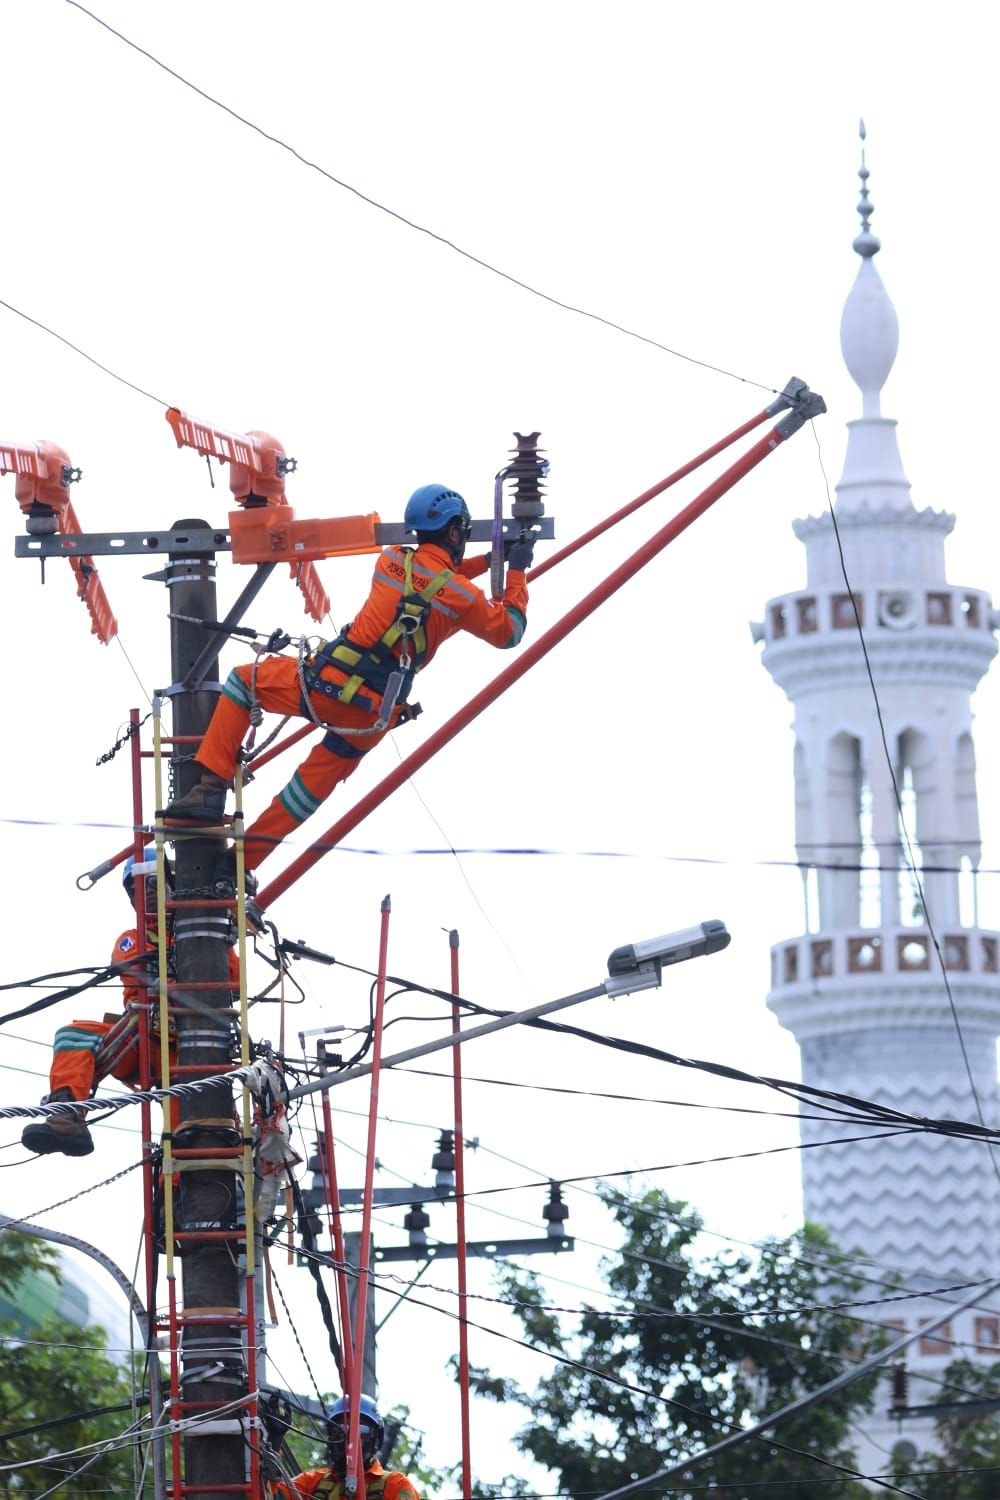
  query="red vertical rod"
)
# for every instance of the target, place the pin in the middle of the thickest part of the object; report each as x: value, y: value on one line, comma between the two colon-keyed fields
x: 252, y: 1407
x: 177, y: 1475
x: 646, y: 496
x: 463, y: 1289
x: 337, y: 1234
x: 354, y: 1465
x: 526, y: 659
x: 145, y: 1074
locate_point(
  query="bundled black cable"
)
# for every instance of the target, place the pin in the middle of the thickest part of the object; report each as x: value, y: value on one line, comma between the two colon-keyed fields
x: 98, y: 976
x: 309, y: 1237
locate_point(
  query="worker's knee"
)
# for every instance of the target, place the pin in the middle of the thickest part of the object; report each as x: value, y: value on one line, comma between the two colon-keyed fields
x: 237, y: 687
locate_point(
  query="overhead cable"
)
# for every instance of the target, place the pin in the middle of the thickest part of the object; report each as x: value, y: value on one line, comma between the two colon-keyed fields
x: 83, y: 354
x: 615, y: 1380
x: 402, y: 219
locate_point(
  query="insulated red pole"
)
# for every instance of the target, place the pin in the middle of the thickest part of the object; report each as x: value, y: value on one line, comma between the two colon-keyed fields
x: 145, y: 1076
x: 337, y: 1234
x: 525, y: 661
x: 463, y: 1290
x: 647, y: 495
x: 355, y: 1466
x: 285, y: 744
x: 252, y: 1408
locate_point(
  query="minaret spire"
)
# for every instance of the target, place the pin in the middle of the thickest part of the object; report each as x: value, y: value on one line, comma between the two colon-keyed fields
x: 866, y: 244
x: 873, y: 479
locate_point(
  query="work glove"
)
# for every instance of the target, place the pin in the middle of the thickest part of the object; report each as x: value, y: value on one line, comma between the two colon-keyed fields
x: 276, y: 1415
x: 521, y: 553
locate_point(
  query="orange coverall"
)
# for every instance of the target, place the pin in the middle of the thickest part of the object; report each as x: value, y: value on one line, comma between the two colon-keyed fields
x: 459, y: 605
x: 75, y: 1048
x: 322, y: 1484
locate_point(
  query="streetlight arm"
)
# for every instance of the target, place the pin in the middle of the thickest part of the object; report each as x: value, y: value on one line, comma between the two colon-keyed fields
x: 635, y: 967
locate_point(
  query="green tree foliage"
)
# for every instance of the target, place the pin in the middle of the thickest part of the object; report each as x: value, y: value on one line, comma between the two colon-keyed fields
x: 694, y: 1363
x: 966, y: 1465
x: 20, y: 1254
x: 408, y: 1456
x: 61, y: 1371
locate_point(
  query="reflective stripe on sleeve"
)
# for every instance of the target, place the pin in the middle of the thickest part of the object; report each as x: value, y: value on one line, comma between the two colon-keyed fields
x: 519, y: 624
x: 298, y: 801
x: 237, y: 690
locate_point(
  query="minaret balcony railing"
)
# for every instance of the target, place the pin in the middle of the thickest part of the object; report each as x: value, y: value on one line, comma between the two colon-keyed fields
x: 893, y: 951
x: 893, y: 610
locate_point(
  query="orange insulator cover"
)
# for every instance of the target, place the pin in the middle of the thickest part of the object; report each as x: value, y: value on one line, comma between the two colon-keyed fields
x: 89, y: 587
x: 317, y: 600
x: 253, y: 457
x: 40, y: 471
x: 273, y: 534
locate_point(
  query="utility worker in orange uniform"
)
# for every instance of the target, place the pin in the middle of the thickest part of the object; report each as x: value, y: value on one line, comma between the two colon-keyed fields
x: 73, y: 1074
x: 328, y: 1483
x: 358, y: 684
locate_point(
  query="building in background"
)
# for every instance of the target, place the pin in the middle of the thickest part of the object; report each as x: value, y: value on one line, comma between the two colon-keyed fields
x: 84, y: 1296
x: 862, y: 988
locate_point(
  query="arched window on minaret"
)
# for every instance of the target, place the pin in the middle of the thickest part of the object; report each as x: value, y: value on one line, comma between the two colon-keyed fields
x: 805, y: 839
x: 842, y: 810
x: 918, y: 796
x: 967, y: 831
x: 870, y: 885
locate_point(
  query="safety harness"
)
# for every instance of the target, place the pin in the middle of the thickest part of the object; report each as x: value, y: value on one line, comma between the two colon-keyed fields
x: 377, y: 667
x: 332, y: 1488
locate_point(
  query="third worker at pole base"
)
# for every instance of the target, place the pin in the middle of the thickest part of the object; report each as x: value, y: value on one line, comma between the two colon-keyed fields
x: 328, y: 1483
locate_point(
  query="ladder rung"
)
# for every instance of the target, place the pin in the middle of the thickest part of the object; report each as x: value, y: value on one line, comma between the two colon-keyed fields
x: 226, y: 1318
x: 198, y: 1166
x: 185, y: 903
x: 173, y: 831
x: 200, y: 984
x: 206, y: 1153
x: 210, y: 1234
x: 181, y: 1405
x: 216, y: 1490
x: 206, y: 1070
x: 198, y: 1236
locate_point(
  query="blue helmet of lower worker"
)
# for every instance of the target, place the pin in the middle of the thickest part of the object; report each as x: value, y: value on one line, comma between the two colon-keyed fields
x: 148, y: 859
x: 433, y: 506
x: 369, y: 1415
x: 370, y: 1422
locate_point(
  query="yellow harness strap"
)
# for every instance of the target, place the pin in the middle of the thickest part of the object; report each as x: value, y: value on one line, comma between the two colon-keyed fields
x: 408, y: 623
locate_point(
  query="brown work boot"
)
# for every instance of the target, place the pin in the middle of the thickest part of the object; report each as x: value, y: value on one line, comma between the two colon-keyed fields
x: 205, y: 801
x: 66, y: 1132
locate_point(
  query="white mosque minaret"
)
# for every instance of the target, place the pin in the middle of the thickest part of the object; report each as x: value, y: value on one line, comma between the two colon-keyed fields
x: 862, y: 989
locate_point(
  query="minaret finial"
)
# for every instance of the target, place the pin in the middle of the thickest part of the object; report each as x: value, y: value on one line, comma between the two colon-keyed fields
x: 866, y: 244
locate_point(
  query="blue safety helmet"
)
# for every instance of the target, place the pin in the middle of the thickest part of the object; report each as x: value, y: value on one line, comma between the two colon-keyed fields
x: 148, y: 858
x: 433, y: 506
x: 370, y: 1422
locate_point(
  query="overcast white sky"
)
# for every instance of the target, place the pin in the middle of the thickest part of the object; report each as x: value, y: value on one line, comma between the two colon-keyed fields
x: 686, y: 171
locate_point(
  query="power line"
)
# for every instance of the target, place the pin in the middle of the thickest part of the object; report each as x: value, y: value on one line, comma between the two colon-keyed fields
x: 670, y: 1402
x: 411, y: 223
x: 82, y: 352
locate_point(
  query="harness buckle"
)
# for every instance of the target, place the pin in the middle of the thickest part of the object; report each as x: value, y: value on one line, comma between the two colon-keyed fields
x: 408, y: 624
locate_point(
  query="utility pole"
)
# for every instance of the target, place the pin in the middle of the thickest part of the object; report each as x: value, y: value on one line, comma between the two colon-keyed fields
x: 206, y: 1199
